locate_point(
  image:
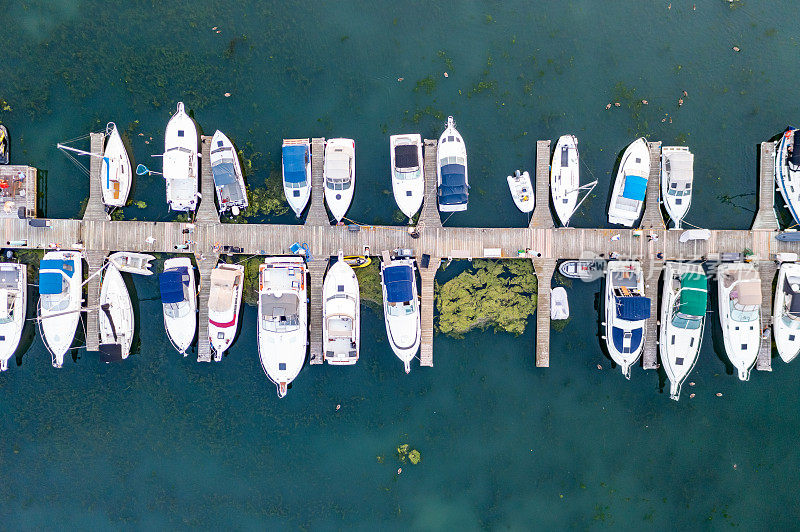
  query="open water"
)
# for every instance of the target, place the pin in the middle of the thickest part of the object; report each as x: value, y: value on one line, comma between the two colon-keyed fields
x: 162, y: 441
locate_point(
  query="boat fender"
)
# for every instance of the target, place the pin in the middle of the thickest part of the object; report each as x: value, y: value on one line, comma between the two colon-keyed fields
x: 788, y: 133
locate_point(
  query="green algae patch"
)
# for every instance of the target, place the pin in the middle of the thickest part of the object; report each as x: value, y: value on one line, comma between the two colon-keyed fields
x: 499, y: 294
x: 250, y: 288
x: 405, y: 453
x: 369, y: 285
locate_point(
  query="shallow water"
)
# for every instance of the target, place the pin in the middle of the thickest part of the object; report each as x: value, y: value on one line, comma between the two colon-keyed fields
x: 160, y: 440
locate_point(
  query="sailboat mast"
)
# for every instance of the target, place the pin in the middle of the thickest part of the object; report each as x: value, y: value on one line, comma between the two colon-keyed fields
x: 79, y: 152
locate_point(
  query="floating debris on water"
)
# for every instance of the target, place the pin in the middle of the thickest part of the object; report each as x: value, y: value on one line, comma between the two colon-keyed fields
x: 691, y: 396
x: 227, y: 94
x: 338, y: 407
x: 719, y: 394
x: 617, y: 104
x: 599, y: 366
x: 691, y: 383
x: 446, y: 75
x: 737, y: 49
x: 644, y: 102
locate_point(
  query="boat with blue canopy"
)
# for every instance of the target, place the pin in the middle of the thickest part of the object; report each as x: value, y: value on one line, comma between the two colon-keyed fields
x: 401, y: 308
x: 60, y: 289
x: 630, y: 186
x: 451, y: 170
x: 296, y: 171
x: 179, y: 302
x: 626, y: 311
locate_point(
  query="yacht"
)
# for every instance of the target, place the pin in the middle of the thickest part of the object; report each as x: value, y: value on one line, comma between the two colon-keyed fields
x: 341, y: 315
x: 630, y: 185
x: 60, y: 291
x: 226, y: 170
x: 408, y: 181
x: 116, y: 316
x: 521, y: 190
x: 740, y: 314
x: 451, y: 170
x: 339, y: 173
x: 296, y: 171
x: 282, y: 319
x: 786, y: 311
x: 683, y: 312
x: 13, y: 304
x: 677, y: 175
x: 787, y: 170
x: 180, y: 161
x: 626, y: 311
x: 224, y: 303
x: 179, y: 300
x: 401, y: 308
x: 115, y: 170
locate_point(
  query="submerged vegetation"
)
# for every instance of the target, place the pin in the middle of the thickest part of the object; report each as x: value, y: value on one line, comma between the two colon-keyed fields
x: 250, y: 288
x: 267, y: 200
x: 369, y: 285
x: 412, y: 455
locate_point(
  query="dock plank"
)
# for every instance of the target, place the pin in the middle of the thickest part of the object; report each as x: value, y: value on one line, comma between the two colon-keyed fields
x: 767, y: 270
x: 765, y: 216
x: 317, y: 215
x: 427, y: 276
x: 544, y: 274
x: 542, y: 216
x: 652, y: 218
x: 317, y: 269
x: 429, y: 217
x: 205, y: 263
x: 94, y: 260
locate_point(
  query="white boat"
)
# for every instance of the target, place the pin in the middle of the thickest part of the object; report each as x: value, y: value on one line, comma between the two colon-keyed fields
x: 131, y: 262
x: 586, y: 270
x: 408, y: 181
x: 116, y: 316
x: 224, y: 303
x: 341, y: 315
x: 630, y: 186
x: 451, y: 170
x: 683, y: 311
x: 180, y: 161
x: 13, y: 304
x: 786, y: 312
x: 282, y: 319
x: 401, y: 308
x: 787, y: 170
x: 179, y: 302
x: 115, y: 171
x: 521, y: 190
x: 626, y: 311
x: 694, y: 234
x: 677, y: 176
x: 60, y: 290
x: 739, y: 293
x: 565, y: 179
x: 559, y: 304
x: 226, y: 171
x: 339, y: 173
x: 296, y: 171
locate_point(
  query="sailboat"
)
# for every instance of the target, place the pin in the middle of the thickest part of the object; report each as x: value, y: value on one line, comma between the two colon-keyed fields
x: 739, y: 294
x: 341, y: 315
x: 408, y: 181
x: 296, y: 171
x: 787, y: 170
x: 227, y: 174
x: 282, y: 319
x: 565, y: 180
x: 13, y: 304
x: 401, y: 308
x: 116, y: 316
x: 786, y: 312
x: 180, y: 161
x: 451, y: 170
x: 626, y: 311
x: 677, y: 176
x: 224, y: 302
x: 630, y: 186
x: 339, y: 173
x: 179, y: 302
x: 521, y: 190
x: 60, y: 290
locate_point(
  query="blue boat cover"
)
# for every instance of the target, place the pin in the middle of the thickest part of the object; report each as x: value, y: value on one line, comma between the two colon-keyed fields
x: 397, y: 280
x: 633, y: 308
x: 635, y: 187
x: 618, y: 337
x: 224, y: 173
x: 171, y: 284
x: 66, y: 266
x: 50, y: 283
x: 453, y: 190
x: 294, y: 164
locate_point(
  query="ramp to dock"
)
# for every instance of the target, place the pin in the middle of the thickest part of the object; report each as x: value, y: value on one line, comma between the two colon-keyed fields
x: 317, y: 215
x: 94, y: 260
x: 206, y: 210
x: 652, y: 219
x: 317, y: 269
x: 544, y: 274
x: 427, y: 276
x: 429, y: 217
x: 765, y: 216
x: 542, y: 217
x: 95, y: 209
x: 766, y: 270
x: 652, y: 272
x: 205, y: 263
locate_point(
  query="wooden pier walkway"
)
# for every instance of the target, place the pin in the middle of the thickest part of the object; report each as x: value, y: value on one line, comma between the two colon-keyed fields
x: 652, y: 219
x: 542, y: 215
x: 429, y: 217
x: 317, y: 215
x: 544, y: 273
x: 18, y: 191
x: 766, y: 218
x: 652, y: 271
x: 317, y: 268
x: 766, y: 270
x: 427, y: 276
x: 205, y: 264
x: 94, y: 259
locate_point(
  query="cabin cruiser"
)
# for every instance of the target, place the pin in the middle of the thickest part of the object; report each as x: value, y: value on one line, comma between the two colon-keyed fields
x: 626, y: 311
x: 677, y: 175
x: 521, y: 191
x: 786, y: 311
x: 408, y: 181
x: 60, y: 291
x: 226, y: 170
x: 3, y: 145
x: 282, y: 319
x: 451, y: 170
x: 341, y: 315
x: 401, y: 308
x: 13, y: 304
x: 683, y: 311
x: 339, y: 173
x: 559, y: 304
x: 116, y: 316
x: 179, y: 300
x: 787, y: 170
x: 740, y: 314
x: 180, y: 161
x: 224, y: 303
x: 630, y: 185
x: 115, y: 170
x: 296, y: 171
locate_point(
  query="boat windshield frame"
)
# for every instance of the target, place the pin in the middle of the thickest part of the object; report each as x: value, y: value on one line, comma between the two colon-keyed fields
x: 173, y: 310
x: 405, y: 308
x: 743, y: 313
x: 685, y: 321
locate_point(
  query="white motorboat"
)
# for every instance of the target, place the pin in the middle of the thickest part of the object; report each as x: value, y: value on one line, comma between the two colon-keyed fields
x: 739, y: 291
x: 131, y: 262
x: 401, y: 308
x: 677, y: 176
x: 224, y: 303
x: 451, y: 170
x: 521, y: 190
x: 115, y: 171
x: 630, y: 186
x: 226, y: 171
x: 179, y: 300
x: 786, y: 312
x: 683, y: 311
x: 13, y: 304
x: 341, y: 315
x: 559, y: 304
x: 296, y: 171
x: 116, y: 316
x: 565, y: 179
x: 180, y: 161
x: 60, y: 290
x: 408, y: 181
x: 282, y: 319
x: 626, y: 311
x: 585, y: 270
x: 787, y: 170
x: 339, y: 173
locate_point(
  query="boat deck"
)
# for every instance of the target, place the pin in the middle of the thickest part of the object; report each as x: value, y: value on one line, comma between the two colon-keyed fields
x: 18, y: 191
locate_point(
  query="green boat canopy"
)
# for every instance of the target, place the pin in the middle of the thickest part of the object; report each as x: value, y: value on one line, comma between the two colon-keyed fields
x: 694, y: 288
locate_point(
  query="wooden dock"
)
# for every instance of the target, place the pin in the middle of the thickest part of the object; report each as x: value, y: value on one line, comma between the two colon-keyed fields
x: 766, y: 270
x: 429, y: 217
x: 94, y: 259
x: 652, y: 271
x: 542, y: 215
x: 204, y: 265
x: 427, y: 276
x: 317, y: 268
x: 652, y: 219
x: 544, y: 274
x: 317, y: 215
x: 766, y: 218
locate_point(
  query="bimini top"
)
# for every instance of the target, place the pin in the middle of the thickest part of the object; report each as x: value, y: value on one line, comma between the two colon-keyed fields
x: 635, y: 187
x: 453, y: 189
x: 171, y: 284
x: 694, y: 294
x: 748, y: 292
x: 680, y: 166
x: 223, y: 282
x: 398, y: 280
x: 405, y: 156
x: 224, y: 174
x: 633, y: 308
x: 294, y: 163
x: 50, y: 282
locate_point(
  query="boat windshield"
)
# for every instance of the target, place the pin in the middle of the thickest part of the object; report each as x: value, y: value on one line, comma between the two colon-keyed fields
x: 300, y: 184
x: 792, y: 322
x: 176, y: 310
x: 685, y: 321
x: 54, y: 302
x: 400, y: 309
x: 743, y: 313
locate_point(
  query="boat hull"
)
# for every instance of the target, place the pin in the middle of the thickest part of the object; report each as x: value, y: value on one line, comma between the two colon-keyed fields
x: 180, y: 161
x: 230, y: 196
x: 337, y: 198
x: 521, y: 191
x: 451, y: 151
x: 181, y: 330
x: 742, y: 339
x: 297, y: 196
x: 58, y: 325
x: 402, y: 318
x: 116, y: 312
x: 115, y: 171
x: 16, y: 300
x: 786, y: 178
x: 786, y: 330
x: 408, y: 186
x: 565, y: 178
x: 341, y: 315
x: 632, y: 331
x: 675, y: 195
x: 635, y: 162
x: 224, y: 322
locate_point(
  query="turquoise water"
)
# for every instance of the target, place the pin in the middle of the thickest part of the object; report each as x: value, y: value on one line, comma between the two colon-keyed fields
x: 164, y: 441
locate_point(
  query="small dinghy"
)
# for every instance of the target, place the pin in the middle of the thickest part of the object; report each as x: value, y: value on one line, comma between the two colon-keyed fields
x: 116, y: 317
x: 630, y: 186
x: 695, y: 234
x: 451, y: 170
x: 339, y: 173
x: 789, y: 236
x: 224, y: 302
x: 786, y: 312
x: 358, y: 261
x: 131, y: 262
x: 13, y: 304
x: 521, y: 190
x: 180, y: 161
x: 408, y: 183
x: 296, y: 171
x: 179, y: 302
x: 787, y: 170
x: 115, y: 172
x: 559, y: 305
x: 60, y: 291
x: 227, y: 174
x: 3, y: 145
x: 587, y: 270
x: 677, y: 175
